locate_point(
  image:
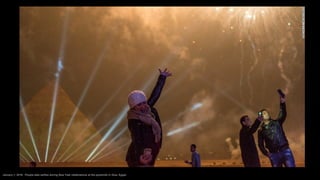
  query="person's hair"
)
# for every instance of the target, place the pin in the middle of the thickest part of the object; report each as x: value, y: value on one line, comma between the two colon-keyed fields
x: 266, y: 111
x: 194, y: 146
x: 243, y: 118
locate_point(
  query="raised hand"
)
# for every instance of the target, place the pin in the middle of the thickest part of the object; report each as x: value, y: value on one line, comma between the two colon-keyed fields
x: 165, y: 72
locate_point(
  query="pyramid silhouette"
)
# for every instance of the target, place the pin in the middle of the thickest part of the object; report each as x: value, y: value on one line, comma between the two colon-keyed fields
x: 38, y: 115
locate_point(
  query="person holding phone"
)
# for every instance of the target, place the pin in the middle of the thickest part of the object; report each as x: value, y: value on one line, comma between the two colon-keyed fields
x: 272, y: 139
x: 249, y: 152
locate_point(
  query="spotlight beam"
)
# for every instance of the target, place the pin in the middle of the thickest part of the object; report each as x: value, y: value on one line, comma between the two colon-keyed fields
x: 87, y: 141
x: 29, y: 129
x: 25, y: 149
x: 112, y: 151
x: 175, y: 131
x: 84, y: 92
x: 114, y: 125
x: 103, y: 107
x: 59, y: 68
x: 110, y: 142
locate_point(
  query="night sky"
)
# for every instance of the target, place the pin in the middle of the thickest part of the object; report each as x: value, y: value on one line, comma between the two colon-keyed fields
x: 226, y: 62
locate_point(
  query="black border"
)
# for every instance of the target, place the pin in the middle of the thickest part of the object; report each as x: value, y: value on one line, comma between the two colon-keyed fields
x: 10, y: 148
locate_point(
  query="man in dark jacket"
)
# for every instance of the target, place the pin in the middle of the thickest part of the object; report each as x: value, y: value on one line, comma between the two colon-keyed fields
x: 249, y: 152
x: 272, y: 140
x: 145, y: 125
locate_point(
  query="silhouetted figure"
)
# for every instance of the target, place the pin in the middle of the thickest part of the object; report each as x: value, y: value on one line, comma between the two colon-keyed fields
x: 145, y: 125
x: 272, y: 140
x: 195, y: 157
x: 249, y: 152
